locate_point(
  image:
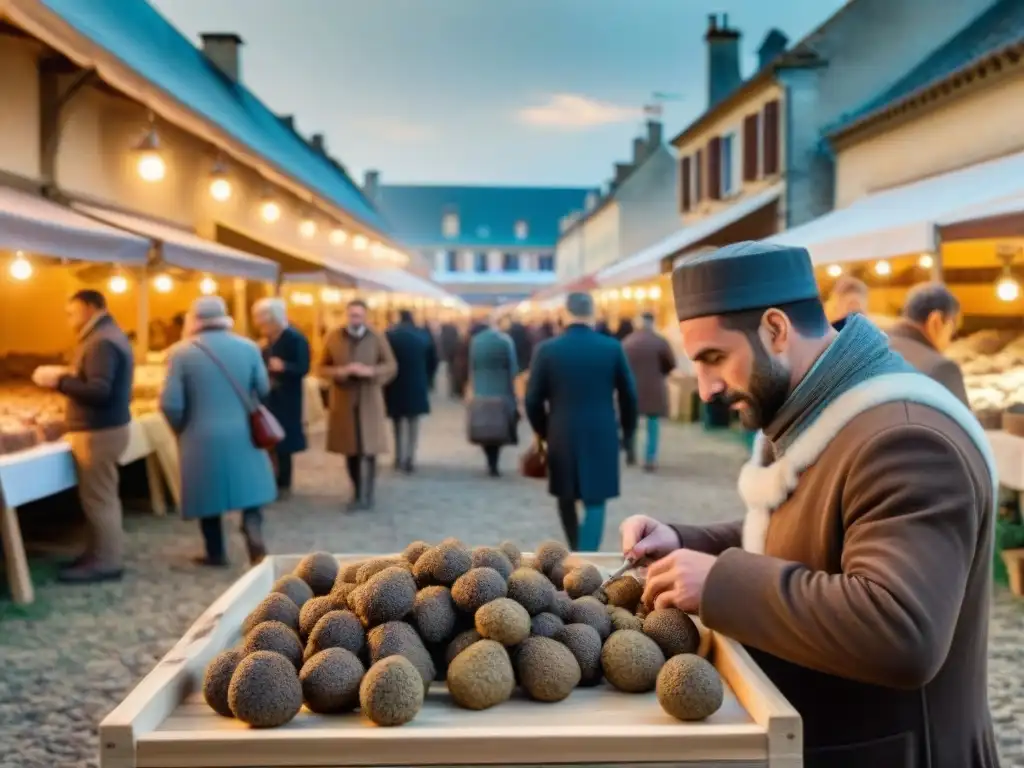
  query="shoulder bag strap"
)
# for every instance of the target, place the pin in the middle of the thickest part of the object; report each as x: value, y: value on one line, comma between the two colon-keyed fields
x: 246, y: 401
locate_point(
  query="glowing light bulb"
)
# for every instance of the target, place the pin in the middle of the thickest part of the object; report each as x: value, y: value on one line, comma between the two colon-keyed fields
x: 641, y: 294
x: 883, y: 268
x: 163, y: 284
x: 330, y: 296
x: 927, y: 261
x: 118, y: 284
x: 338, y: 236
x: 655, y: 292
x: 220, y: 190
x: 1008, y: 289
x: 151, y: 166
x: 359, y: 242
x: 270, y: 211
x: 207, y: 286
x: 21, y: 268
x: 834, y: 270
x: 307, y: 228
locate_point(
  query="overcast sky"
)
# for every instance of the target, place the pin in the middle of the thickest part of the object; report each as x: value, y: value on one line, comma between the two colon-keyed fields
x: 483, y: 91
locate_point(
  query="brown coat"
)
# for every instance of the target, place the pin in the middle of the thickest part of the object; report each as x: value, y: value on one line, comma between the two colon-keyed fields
x: 352, y: 398
x: 869, y: 608
x: 918, y: 351
x: 651, y: 359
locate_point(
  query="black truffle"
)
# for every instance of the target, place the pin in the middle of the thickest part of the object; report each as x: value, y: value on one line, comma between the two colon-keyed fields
x: 561, y: 605
x: 442, y: 564
x: 548, y: 671
x: 391, y: 692
x: 584, y: 643
x: 631, y: 661
x: 319, y: 570
x: 388, y: 595
x: 492, y: 557
x: 545, y: 624
x: 336, y: 629
x: 293, y: 587
x: 316, y: 609
x: 590, y: 610
x: 481, y: 676
x: 582, y: 580
x: 549, y: 554
x: 277, y: 637
x: 413, y: 551
x: 673, y: 631
x: 396, y: 638
x: 512, y: 552
x: 217, y: 679
x: 461, y: 642
x: 503, y: 620
x: 689, y: 688
x: 434, y: 613
x: 274, y: 607
x: 531, y: 589
x: 330, y: 681
x: 371, y: 568
x: 477, y: 587
x: 624, y: 592
x: 265, y: 691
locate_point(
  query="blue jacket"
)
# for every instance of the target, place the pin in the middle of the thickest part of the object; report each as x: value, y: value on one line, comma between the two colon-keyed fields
x: 221, y: 469
x: 406, y: 395
x: 575, y: 380
x: 286, y: 387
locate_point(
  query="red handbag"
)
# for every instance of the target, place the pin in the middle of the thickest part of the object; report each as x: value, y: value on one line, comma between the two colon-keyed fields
x: 265, y: 429
x: 534, y: 461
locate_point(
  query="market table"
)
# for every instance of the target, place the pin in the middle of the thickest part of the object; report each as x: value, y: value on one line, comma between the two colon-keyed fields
x: 49, y: 469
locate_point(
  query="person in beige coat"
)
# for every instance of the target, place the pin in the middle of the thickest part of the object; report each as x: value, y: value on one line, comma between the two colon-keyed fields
x: 651, y: 359
x: 358, y: 363
x: 930, y: 318
x: 860, y: 577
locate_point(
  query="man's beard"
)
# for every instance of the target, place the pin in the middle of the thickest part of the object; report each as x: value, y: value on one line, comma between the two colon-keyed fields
x: 769, y: 390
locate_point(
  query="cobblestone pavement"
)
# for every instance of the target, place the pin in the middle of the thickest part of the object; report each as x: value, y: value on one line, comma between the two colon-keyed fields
x: 65, y: 662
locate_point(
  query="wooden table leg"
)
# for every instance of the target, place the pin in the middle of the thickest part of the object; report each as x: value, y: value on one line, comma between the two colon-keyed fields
x: 155, y: 480
x: 18, y: 575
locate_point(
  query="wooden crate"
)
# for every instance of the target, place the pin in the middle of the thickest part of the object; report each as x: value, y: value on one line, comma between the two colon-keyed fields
x: 164, y: 722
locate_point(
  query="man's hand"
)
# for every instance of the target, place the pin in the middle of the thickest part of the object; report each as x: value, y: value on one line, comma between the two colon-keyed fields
x: 49, y: 376
x: 275, y: 365
x: 677, y: 580
x: 644, y: 537
x: 359, y: 369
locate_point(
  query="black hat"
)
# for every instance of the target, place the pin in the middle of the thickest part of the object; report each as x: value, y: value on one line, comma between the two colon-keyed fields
x: 742, y: 276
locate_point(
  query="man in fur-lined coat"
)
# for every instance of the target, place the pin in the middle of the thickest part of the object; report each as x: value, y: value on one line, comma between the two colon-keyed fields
x: 860, y: 577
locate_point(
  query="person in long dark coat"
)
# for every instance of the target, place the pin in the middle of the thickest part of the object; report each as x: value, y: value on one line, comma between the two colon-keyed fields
x: 448, y: 339
x: 523, y: 345
x: 431, y: 339
x: 286, y: 354
x: 575, y: 381
x: 406, y: 397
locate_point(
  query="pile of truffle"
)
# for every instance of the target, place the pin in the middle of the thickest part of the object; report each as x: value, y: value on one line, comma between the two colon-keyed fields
x: 374, y: 635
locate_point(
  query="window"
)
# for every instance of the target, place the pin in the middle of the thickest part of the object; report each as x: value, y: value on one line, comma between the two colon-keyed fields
x: 450, y: 225
x: 546, y: 262
x: 727, y: 180
x: 480, y: 261
x: 510, y: 262
x: 522, y: 230
x: 452, y: 261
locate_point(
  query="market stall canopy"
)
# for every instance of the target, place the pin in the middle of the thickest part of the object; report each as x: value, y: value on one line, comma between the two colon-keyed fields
x: 646, y: 264
x: 333, y: 277
x: 32, y: 223
x: 573, y: 285
x: 400, y: 281
x: 186, y: 250
x: 906, y: 219
x: 988, y: 220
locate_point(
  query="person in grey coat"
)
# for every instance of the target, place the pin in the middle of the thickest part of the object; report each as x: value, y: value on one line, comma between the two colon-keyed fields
x: 493, y: 412
x: 221, y: 468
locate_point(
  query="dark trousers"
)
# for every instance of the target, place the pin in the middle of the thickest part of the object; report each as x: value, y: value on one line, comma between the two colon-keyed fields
x: 213, y: 534
x: 284, y: 469
x: 493, y: 454
x: 593, y: 525
x: 407, y: 435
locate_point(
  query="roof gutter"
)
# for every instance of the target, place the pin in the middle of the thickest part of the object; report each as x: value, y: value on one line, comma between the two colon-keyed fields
x: 43, y: 24
x: 976, y: 73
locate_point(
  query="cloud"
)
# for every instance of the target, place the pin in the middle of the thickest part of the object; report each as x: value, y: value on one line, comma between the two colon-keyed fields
x: 575, y: 112
x: 400, y: 131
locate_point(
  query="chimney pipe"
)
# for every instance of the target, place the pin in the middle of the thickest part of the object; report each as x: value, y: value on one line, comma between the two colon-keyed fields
x: 773, y: 45
x: 654, y: 135
x: 622, y: 170
x: 221, y: 48
x: 371, y: 184
x: 288, y: 121
x: 723, y: 46
x: 639, y: 150
x: 317, y: 142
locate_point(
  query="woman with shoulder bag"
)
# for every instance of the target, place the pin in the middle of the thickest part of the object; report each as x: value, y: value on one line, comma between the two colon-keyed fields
x: 215, y: 381
x: 492, y: 412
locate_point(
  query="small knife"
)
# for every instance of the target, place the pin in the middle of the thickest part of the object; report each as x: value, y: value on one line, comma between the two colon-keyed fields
x: 626, y: 565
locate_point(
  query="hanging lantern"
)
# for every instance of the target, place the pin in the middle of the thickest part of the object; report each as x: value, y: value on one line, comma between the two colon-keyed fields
x: 207, y: 286
x: 163, y: 283
x: 338, y: 236
x: 834, y: 270
x: 220, y: 184
x: 118, y: 284
x: 20, y: 268
x: 883, y: 268
x: 149, y: 163
x: 307, y: 228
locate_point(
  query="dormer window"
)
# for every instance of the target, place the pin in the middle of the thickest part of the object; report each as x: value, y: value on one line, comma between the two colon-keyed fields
x: 450, y: 225
x: 522, y: 230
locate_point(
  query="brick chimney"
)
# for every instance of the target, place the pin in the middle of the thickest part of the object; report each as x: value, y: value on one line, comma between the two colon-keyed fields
x: 288, y: 121
x: 654, y: 135
x: 222, y: 49
x: 622, y: 170
x: 639, y: 150
x: 316, y: 141
x: 371, y: 184
x: 772, y: 46
x: 723, y: 46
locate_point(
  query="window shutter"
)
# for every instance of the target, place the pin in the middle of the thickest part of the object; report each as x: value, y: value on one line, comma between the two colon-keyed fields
x: 771, y: 138
x: 685, y: 203
x: 750, y: 148
x: 698, y: 176
x: 715, y: 168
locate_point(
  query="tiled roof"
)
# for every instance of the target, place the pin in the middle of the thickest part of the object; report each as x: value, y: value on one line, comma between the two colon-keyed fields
x: 487, y: 215
x: 134, y: 32
x: 996, y: 28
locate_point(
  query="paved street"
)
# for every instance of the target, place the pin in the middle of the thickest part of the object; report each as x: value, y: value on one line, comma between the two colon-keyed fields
x: 69, y: 660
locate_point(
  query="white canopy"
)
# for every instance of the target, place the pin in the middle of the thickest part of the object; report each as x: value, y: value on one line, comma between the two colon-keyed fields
x: 32, y: 223
x: 904, y: 220
x: 184, y: 249
x: 646, y: 264
x: 401, y: 281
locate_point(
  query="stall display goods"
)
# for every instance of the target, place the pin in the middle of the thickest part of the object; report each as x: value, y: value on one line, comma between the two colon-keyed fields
x: 379, y: 667
x: 993, y: 366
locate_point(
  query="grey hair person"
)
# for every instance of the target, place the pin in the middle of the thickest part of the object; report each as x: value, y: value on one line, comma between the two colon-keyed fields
x: 210, y: 312
x: 580, y: 306
x: 274, y: 307
x: 925, y: 298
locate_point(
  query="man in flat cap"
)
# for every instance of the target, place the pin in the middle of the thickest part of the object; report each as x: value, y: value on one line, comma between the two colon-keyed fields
x: 860, y: 576
x: 575, y: 380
